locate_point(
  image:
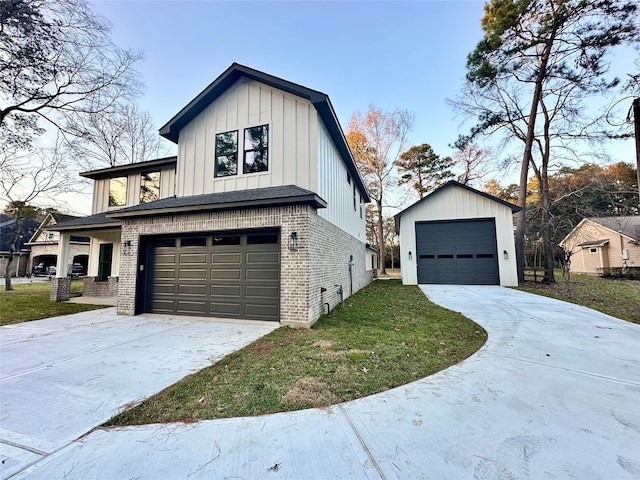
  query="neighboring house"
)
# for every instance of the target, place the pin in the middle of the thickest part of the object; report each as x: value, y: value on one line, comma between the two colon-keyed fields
x: 19, y: 267
x: 599, y: 243
x: 44, y: 245
x: 458, y: 235
x: 260, y: 216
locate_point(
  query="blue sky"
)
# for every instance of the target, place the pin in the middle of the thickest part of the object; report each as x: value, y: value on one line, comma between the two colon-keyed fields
x: 409, y: 55
x: 391, y: 54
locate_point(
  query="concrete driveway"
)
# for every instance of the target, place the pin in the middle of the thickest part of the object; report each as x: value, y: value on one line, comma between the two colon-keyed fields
x: 63, y: 376
x: 553, y: 394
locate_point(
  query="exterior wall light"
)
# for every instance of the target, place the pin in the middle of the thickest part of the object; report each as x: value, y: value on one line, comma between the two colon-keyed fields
x: 410, y: 255
x: 293, y: 241
x: 126, y: 247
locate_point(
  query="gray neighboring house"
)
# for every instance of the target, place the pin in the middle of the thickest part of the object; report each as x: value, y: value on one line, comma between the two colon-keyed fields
x: 260, y: 215
x: 458, y: 235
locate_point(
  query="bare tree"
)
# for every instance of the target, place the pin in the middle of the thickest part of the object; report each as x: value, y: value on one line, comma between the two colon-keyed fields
x: 376, y: 140
x: 474, y: 162
x: 57, y: 61
x: 24, y: 177
x: 120, y: 135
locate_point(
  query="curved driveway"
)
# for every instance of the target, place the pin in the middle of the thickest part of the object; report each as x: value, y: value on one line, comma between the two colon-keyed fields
x: 554, y: 393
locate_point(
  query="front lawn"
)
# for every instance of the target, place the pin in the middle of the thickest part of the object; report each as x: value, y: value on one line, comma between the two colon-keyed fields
x: 618, y: 298
x: 30, y: 301
x: 384, y: 336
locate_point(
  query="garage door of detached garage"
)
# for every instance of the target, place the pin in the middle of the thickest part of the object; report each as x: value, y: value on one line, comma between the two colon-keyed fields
x: 460, y: 252
x: 235, y: 275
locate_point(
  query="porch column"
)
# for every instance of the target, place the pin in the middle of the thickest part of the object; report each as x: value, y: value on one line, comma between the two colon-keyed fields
x: 61, y: 283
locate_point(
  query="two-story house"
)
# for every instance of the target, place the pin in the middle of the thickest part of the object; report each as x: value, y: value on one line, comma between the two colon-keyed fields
x: 260, y: 216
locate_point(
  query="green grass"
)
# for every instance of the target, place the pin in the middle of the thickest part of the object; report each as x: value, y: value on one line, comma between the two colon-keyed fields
x: 386, y: 335
x: 30, y: 301
x: 618, y: 298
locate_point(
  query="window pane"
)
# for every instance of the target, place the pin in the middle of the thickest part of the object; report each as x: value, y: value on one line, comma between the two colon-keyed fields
x: 232, y: 240
x: 256, y: 137
x: 226, y: 162
x: 256, y: 147
x: 194, y: 242
x: 149, y: 187
x: 164, y: 242
x: 262, y: 239
x: 255, y: 161
x: 118, y: 192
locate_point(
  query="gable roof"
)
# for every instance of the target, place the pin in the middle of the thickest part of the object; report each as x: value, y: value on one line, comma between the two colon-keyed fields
x: 54, y: 218
x: 453, y: 184
x: 253, y: 198
x: 321, y: 102
x: 629, y: 226
x: 145, y: 166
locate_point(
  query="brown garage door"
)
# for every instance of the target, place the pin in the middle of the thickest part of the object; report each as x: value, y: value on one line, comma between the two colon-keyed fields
x: 230, y: 275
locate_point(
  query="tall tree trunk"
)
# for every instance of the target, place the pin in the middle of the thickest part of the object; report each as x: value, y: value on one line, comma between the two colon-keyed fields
x: 381, y: 267
x: 526, y: 160
x: 12, y: 250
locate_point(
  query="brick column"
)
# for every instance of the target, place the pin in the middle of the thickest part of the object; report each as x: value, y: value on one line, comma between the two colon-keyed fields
x: 60, y: 289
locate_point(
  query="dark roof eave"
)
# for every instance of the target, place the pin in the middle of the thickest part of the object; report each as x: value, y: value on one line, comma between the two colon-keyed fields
x: 313, y: 200
x: 90, y: 226
x: 130, y: 167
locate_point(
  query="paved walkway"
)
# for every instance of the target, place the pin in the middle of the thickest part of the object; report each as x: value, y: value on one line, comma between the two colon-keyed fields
x: 553, y: 394
x: 63, y: 376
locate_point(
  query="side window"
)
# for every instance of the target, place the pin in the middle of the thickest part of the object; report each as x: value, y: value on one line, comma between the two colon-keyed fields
x: 118, y: 192
x: 354, y: 196
x: 360, y: 206
x: 226, y: 154
x: 149, y: 187
x: 256, y: 149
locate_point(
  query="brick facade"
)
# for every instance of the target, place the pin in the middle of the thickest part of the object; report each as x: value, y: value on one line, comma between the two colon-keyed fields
x: 321, y: 259
x: 93, y: 288
x: 60, y: 289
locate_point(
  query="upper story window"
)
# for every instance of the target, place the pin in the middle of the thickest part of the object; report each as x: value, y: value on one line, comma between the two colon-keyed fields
x: 118, y: 192
x: 226, y: 154
x: 354, y: 196
x: 149, y: 187
x: 256, y: 149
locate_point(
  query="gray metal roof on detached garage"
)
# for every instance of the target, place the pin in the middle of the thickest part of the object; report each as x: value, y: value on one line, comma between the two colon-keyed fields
x: 321, y: 102
x: 452, y: 184
x: 253, y: 198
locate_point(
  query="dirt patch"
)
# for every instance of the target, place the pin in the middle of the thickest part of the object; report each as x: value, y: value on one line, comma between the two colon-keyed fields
x: 323, y: 344
x: 260, y: 348
x: 310, y: 392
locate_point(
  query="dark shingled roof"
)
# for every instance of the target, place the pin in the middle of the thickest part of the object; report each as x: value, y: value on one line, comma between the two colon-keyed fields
x: 321, y: 102
x: 130, y: 168
x: 8, y: 228
x: 254, y: 198
x: 99, y: 220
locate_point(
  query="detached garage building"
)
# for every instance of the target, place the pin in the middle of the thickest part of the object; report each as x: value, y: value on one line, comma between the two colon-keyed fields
x: 458, y: 235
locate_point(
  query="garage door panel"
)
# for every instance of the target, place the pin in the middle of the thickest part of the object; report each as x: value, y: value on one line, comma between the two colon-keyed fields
x: 219, y: 308
x: 196, y: 258
x: 457, y: 252
x: 218, y: 275
x: 226, y: 258
x: 192, y: 289
x: 226, y: 290
x: 263, y: 274
x: 192, y: 307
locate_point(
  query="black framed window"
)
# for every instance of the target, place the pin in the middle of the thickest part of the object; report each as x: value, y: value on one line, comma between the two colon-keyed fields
x: 149, y: 187
x: 256, y: 149
x: 118, y: 192
x: 226, y: 154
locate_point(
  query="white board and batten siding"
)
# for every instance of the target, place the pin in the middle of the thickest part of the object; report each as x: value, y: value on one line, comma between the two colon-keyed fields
x: 459, y: 204
x: 101, y: 190
x: 292, y: 155
x: 336, y: 190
